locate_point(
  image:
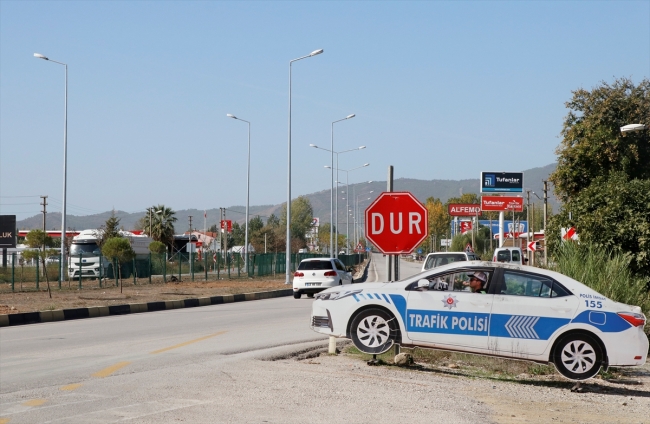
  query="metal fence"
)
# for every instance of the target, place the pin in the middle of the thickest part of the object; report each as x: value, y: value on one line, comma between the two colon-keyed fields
x: 179, y: 267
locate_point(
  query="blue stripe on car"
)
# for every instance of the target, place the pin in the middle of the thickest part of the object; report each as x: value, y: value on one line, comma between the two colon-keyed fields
x: 607, y: 322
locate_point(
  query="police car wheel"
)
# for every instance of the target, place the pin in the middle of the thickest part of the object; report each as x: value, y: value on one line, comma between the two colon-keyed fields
x: 373, y: 331
x: 296, y: 295
x: 578, y: 357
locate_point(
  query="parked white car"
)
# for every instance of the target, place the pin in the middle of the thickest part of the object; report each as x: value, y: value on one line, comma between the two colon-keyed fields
x: 525, y: 313
x: 437, y: 259
x: 512, y: 255
x: 317, y: 274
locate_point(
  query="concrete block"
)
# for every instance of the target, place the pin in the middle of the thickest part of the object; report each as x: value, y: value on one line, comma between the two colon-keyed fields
x: 204, y: 301
x: 93, y: 312
x: 103, y: 311
x: 4, y: 320
x: 46, y: 316
x: 250, y: 296
x: 228, y: 298
x: 169, y: 304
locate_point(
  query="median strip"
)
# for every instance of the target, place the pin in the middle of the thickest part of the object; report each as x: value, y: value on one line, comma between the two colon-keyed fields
x: 101, y: 311
x: 185, y: 343
x: 110, y: 370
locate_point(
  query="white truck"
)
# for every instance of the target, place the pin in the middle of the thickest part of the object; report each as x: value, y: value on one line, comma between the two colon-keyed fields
x: 85, y: 256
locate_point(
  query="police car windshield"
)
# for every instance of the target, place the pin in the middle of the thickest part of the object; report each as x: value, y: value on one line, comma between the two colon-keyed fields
x: 315, y: 265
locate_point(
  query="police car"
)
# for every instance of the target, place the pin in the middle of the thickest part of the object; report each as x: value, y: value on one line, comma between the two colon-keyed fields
x: 489, y: 308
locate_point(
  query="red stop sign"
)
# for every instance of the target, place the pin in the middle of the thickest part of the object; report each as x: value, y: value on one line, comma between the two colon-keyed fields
x: 396, y: 222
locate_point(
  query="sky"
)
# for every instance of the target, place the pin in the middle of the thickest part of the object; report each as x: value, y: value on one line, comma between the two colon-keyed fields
x: 440, y: 89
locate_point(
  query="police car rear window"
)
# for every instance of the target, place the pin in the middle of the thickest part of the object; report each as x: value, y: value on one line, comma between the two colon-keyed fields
x: 531, y: 285
x: 314, y: 265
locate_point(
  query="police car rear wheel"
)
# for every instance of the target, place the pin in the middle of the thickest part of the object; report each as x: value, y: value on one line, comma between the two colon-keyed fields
x: 373, y: 331
x: 578, y: 357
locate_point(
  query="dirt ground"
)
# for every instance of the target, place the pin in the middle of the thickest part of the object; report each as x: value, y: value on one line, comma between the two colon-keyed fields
x: 70, y: 296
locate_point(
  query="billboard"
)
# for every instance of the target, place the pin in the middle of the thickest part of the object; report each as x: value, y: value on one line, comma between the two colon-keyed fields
x: 502, y: 203
x: 7, y: 231
x: 502, y: 182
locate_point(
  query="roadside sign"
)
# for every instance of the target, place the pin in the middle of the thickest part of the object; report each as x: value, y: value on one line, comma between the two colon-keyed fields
x: 469, y: 249
x: 396, y: 223
x: 532, y: 246
x: 7, y: 231
x: 569, y: 234
x: 465, y: 226
x: 445, y: 242
x: 502, y: 203
x: 226, y: 226
x: 461, y: 209
x: 502, y: 182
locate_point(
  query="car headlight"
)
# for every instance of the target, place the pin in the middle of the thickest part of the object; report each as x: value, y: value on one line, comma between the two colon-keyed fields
x: 336, y: 295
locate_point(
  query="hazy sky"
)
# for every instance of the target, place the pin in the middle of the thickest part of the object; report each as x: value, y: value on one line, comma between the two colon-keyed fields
x: 441, y: 90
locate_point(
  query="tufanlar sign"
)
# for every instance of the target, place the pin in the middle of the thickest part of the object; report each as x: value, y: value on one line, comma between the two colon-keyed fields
x: 502, y: 182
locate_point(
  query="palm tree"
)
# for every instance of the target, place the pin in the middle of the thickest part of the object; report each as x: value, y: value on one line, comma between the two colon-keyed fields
x: 162, y: 223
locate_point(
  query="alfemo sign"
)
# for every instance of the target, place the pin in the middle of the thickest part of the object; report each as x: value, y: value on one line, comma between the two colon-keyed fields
x: 464, y: 209
x: 502, y: 182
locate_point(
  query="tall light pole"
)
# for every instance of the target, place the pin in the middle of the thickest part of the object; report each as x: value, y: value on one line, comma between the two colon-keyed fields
x: 356, y: 213
x: 288, y: 254
x: 347, y: 207
x: 332, y: 182
x: 63, y: 265
x: 248, y: 188
x: 334, y: 222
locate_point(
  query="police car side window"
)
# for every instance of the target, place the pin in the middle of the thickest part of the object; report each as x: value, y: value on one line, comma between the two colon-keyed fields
x: 531, y: 285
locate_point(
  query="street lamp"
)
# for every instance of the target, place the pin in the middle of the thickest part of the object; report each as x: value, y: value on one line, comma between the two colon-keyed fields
x: 334, y: 232
x: 288, y: 255
x: 63, y: 264
x: 632, y: 128
x: 356, y: 232
x: 248, y: 188
x: 347, y: 207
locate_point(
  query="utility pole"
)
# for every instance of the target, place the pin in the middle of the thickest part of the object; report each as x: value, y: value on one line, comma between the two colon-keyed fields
x: 545, y: 232
x: 189, y: 243
x: 528, y: 229
x: 44, y: 204
x: 389, y: 188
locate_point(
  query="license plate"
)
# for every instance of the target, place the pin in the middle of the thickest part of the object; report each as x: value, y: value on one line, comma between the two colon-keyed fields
x: 312, y: 284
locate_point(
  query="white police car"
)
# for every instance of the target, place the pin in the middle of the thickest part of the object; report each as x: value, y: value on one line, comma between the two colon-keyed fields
x: 525, y: 313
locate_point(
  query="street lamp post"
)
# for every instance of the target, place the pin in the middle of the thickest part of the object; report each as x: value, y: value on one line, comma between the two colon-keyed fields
x: 248, y: 188
x: 288, y: 254
x: 356, y: 231
x: 347, y: 207
x: 63, y: 266
x: 332, y: 182
x: 334, y: 222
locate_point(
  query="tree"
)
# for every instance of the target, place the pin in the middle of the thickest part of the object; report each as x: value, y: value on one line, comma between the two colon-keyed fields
x: 302, y: 214
x: 118, y: 248
x: 438, y: 221
x: 162, y: 223
x: 603, y: 177
x: 39, y: 239
x: 157, y: 247
x: 612, y: 213
x: 592, y: 144
x: 110, y: 229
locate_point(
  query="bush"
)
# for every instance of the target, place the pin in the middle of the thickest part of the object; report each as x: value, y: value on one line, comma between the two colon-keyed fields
x: 603, y: 270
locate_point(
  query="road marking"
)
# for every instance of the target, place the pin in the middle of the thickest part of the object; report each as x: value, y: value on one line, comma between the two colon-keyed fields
x: 35, y: 402
x: 185, y: 343
x: 110, y: 370
x: 71, y: 386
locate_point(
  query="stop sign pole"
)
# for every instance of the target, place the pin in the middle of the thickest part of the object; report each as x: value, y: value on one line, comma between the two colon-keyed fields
x: 396, y: 223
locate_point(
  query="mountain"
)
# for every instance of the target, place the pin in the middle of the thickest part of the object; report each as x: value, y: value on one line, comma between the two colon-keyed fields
x: 320, y: 201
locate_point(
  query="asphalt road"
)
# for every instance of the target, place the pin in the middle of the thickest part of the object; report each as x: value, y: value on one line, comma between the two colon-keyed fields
x: 251, y: 362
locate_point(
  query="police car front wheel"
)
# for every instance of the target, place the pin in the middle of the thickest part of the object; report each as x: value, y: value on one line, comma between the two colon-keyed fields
x: 373, y: 331
x: 578, y: 357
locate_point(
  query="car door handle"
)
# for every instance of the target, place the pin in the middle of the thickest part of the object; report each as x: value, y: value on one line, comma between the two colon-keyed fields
x: 562, y: 310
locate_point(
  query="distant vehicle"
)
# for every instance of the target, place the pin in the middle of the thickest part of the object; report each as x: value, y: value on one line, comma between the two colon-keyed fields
x: 317, y: 274
x: 86, y: 258
x: 523, y: 313
x: 437, y: 259
x: 510, y: 255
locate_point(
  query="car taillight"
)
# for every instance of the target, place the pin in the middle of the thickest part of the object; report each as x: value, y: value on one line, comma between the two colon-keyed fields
x: 298, y: 274
x: 637, y: 320
x: 330, y: 274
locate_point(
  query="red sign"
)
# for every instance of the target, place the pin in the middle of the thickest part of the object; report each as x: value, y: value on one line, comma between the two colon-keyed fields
x: 461, y: 209
x: 532, y: 246
x: 502, y: 203
x: 569, y: 233
x: 465, y: 226
x: 396, y: 222
x: 226, y: 225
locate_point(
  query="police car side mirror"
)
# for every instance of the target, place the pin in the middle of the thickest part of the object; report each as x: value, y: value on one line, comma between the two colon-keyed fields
x: 423, y: 283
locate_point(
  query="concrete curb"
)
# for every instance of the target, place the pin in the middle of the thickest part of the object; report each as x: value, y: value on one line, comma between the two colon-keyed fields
x: 133, y: 308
